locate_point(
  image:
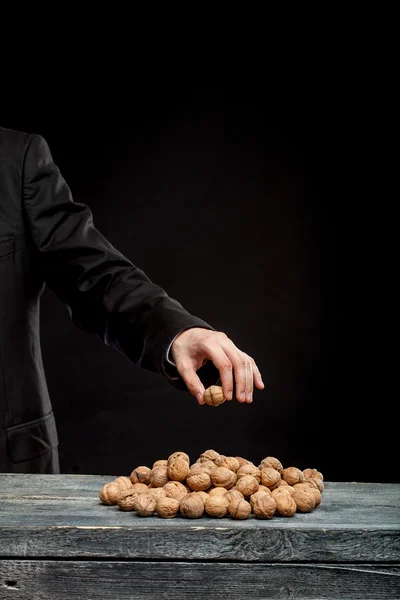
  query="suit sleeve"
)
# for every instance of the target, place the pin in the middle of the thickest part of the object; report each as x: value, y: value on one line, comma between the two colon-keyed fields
x: 105, y: 293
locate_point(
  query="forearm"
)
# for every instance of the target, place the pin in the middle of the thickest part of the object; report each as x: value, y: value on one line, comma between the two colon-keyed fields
x: 105, y: 292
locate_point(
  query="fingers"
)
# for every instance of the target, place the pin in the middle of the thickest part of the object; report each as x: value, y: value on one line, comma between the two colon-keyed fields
x: 243, y: 370
x: 224, y: 366
x: 246, y: 373
x: 243, y: 376
x: 256, y: 374
x: 232, y: 364
x: 226, y: 357
x: 193, y: 383
x: 247, y: 393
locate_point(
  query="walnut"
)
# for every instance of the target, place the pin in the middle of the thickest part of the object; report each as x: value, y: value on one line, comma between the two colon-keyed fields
x: 280, y: 490
x: 308, y: 472
x: 313, y: 473
x: 140, y: 475
x: 159, y: 476
x: 196, y: 467
x: 175, y: 489
x: 229, y: 462
x: 180, y: 455
x: 127, y: 500
x: 209, y: 466
x: 249, y: 470
x: 239, y: 508
x: 156, y: 493
x: 318, y: 483
x: 317, y: 496
x: 160, y: 463
x: 167, y: 507
x: 125, y: 493
x: 311, y: 483
x: 178, y: 469
x: 270, y: 478
x: 216, y: 506
x: 258, y: 495
x: 123, y: 482
x: 109, y: 493
x: 233, y: 494
x: 203, y: 495
x: 285, y: 505
x: 263, y: 488
x: 292, y: 475
x: 206, y: 465
x: 283, y: 483
x: 264, y: 507
x: 141, y: 488
x: 128, y: 503
x: 248, y: 485
x: 214, y: 395
x: 271, y: 462
x: 304, y: 500
x: 222, y: 477
x: 198, y: 480
x: 209, y: 455
x: 217, y: 491
x: 302, y: 486
x: 145, y: 505
x: 218, y: 461
x: 192, y: 505
x: 308, y: 487
x: 242, y: 461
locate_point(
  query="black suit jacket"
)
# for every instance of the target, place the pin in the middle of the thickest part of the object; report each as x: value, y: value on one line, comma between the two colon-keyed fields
x: 48, y: 239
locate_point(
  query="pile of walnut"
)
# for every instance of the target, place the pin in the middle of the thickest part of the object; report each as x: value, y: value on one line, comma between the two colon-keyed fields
x: 217, y: 486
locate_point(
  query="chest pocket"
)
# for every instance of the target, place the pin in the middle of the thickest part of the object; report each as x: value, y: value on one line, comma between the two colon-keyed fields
x: 7, y: 245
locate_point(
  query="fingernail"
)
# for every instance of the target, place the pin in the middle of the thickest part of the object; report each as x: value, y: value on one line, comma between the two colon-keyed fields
x: 229, y: 395
x: 249, y: 398
x: 199, y: 397
x: 243, y: 397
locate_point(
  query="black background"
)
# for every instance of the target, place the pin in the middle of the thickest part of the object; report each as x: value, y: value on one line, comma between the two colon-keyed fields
x: 233, y: 198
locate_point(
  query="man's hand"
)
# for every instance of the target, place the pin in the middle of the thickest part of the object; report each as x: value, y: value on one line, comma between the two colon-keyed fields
x: 193, y: 346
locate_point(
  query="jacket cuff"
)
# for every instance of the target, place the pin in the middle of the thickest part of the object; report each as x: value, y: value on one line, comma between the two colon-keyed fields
x: 169, y: 358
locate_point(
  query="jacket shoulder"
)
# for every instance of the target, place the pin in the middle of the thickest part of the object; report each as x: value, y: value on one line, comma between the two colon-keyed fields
x: 13, y: 145
x: 14, y: 138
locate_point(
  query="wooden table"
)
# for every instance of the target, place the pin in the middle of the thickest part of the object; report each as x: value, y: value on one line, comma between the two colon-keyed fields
x: 58, y: 542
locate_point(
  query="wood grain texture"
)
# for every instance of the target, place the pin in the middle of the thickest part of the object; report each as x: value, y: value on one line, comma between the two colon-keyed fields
x: 61, y: 516
x: 69, y: 580
x: 212, y: 542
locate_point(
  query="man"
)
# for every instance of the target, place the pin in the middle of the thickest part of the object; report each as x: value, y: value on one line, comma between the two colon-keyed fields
x: 48, y: 239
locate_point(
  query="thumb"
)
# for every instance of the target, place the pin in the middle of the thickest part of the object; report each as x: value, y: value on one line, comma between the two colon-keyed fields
x: 193, y: 384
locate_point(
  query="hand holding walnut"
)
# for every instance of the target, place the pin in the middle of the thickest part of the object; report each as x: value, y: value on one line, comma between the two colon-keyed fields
x: 193, y: 346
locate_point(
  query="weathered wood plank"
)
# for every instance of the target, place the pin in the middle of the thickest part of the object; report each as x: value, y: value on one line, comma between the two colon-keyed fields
x: 373, y: 504
x: 224, y: 541
x: 67, y: 500
x: 61, y: 516
x: 13, y: 485
x: 66, y: 580
x: 45, y: 510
